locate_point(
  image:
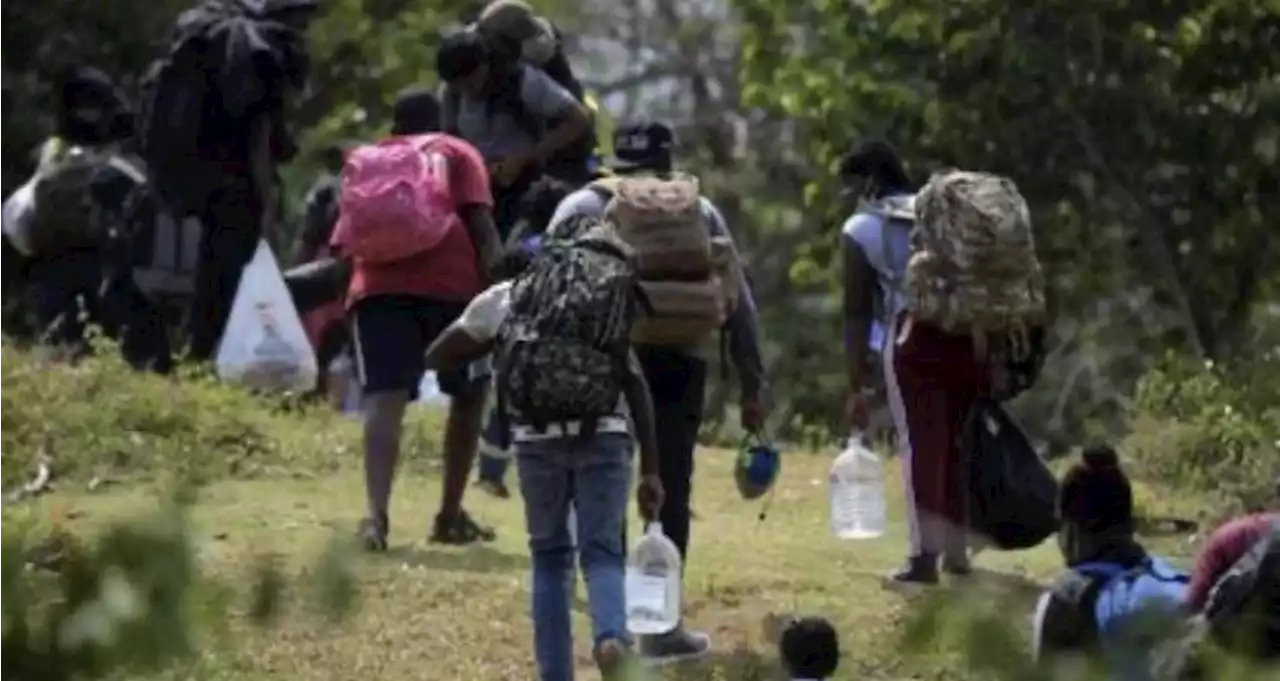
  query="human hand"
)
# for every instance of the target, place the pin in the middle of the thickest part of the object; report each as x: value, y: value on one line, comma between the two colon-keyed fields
x: 754, y: 411
x: 649, y: 496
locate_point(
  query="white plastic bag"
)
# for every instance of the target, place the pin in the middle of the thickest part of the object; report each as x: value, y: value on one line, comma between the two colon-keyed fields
x: 19, y: 216
x: 264, y: 345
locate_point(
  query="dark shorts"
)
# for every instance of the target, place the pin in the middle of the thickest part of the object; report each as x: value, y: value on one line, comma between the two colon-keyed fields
x: 390, y: 335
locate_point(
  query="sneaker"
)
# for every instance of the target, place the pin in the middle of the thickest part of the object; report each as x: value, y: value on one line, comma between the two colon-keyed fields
x: 918, y: 570
x: 373, y: 533
x: 460, y: 530
x: 495, y: 488
x: 674, y: 646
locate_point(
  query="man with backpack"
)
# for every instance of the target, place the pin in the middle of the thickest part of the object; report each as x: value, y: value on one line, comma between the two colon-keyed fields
x: 972, y: 328
x: 691, y: 272
x: 1116, y: 603
x: 89, y: 203
x: 519, y: 118
x: 421, y: 249
x: 569, y: 383
x: 539, y: 44
x: 213, y: 132
x: 876, y: 247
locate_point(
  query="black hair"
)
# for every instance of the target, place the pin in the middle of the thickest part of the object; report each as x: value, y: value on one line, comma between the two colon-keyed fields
x: 809, y: 648
x: 416, y: 112
x: 878, y: 160
x: 460, y: 54
x: 1096, y: 495
x: 85, y: 87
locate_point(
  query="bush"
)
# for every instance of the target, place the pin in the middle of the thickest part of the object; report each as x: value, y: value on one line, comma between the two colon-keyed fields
x: 1213, y: 428
x: 100, y: 418
x: 132, y: 600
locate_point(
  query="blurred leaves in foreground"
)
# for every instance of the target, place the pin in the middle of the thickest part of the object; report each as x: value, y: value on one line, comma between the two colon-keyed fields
x: 133, y: 600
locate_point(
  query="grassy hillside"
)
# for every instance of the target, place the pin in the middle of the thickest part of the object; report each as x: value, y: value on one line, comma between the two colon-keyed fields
x: 279, y: 482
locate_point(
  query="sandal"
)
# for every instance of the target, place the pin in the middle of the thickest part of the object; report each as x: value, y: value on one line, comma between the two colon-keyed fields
x: 460, y: 530
x: 373, y: 533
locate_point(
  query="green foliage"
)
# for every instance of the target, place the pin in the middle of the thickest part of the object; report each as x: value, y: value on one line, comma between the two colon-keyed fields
x: 100, y: 418
x: 1212, y: 427
x: 131, y: 599
x: 1143, y: 135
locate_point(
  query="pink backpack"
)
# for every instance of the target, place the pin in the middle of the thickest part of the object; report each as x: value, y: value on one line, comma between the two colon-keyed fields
x: 395, y: 201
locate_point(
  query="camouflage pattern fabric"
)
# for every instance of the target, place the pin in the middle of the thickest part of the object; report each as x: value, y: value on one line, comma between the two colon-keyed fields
x: 66, y: 214
x: 564, y: 346
x: 973, y: 264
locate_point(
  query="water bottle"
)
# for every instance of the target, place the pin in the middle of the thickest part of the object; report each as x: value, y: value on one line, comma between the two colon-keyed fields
x: 858, y: 507
x: 653, y: 584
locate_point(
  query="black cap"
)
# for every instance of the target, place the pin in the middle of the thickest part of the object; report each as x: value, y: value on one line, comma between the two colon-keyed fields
x: 1096, y: 495
x: 416, y: 112
x: 643, y: 146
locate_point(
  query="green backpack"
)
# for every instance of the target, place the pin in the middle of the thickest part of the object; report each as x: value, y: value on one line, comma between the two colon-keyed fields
x: 66, y: 215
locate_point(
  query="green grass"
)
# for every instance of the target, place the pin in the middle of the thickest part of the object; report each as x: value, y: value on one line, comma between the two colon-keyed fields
x: 429, y: 612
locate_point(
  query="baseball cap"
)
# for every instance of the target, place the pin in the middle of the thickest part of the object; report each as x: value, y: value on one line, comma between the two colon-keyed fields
x: 643, y: 146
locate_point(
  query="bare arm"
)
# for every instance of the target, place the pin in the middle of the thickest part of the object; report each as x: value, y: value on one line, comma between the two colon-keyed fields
x: 636, y: 390
x: 575, y: 124
x: 455, y: 348
x: 484, y: 234
x: 859, y: 310
x: 261, y: 172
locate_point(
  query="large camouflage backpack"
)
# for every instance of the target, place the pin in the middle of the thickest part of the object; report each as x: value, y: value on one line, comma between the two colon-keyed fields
x: 562, y: 351
x: 66, y: 214
x: 973, y: 268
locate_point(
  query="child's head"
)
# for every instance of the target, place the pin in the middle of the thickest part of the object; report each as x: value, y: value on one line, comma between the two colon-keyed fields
x: 809, y: 648
x: 1095, y: 499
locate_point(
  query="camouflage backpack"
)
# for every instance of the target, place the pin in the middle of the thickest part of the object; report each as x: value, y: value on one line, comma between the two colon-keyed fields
x: 973, y: 263
x: 563, y: 349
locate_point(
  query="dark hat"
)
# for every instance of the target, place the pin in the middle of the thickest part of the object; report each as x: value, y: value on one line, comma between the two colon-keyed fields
x: 643, y: 146
x: 416, y: 111
x: 1095, y: 494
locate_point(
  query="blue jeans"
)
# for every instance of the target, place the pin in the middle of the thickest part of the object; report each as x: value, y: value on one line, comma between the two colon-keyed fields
x: 596, y: 477
x: 492, y: 468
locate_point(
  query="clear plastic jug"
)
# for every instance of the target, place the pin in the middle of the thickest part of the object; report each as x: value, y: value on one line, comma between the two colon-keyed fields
x: 653, y: 584
x: 858, y: 506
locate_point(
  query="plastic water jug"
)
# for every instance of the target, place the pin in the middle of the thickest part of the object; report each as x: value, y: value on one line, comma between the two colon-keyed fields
x: 858, y: 507
x: 653, y: 584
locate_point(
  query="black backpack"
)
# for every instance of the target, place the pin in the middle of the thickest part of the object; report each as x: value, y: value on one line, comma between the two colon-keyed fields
x: 1011, y: 494
x: 562, y: 351
x: 1243, y: 610
x: 227, y: 62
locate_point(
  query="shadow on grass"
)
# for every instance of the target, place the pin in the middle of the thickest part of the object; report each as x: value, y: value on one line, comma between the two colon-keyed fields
x: 459, y: 559
x: 740, y: 664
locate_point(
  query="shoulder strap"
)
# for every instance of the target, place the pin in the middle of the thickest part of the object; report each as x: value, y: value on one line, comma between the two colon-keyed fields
x: 512, y: 98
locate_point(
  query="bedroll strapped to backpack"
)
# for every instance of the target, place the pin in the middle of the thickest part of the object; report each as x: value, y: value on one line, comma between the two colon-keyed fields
x: 973, y: 264
x: 1137, y: 610
x: 562, y: 352
x: 1243, y: 610
x: 690, y: 278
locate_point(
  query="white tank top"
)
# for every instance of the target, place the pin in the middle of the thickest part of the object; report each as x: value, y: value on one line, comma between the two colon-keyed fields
x: 883, y: 233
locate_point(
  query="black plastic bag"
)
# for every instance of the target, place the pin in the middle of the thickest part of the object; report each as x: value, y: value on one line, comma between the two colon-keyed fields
x: 317, y: 283
x: 1010, y: 493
